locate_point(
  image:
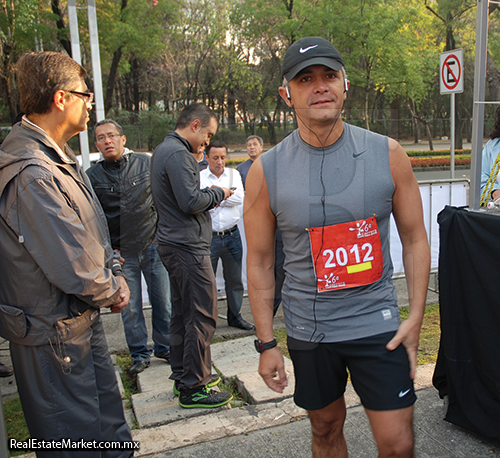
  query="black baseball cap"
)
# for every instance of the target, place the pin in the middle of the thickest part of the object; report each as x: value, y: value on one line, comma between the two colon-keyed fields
x: 310, y: 51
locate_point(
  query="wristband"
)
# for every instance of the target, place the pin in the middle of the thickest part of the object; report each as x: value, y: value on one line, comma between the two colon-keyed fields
x: 116, y: 266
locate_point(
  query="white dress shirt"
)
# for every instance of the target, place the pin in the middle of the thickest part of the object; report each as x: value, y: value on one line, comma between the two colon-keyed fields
x: 228, y: 213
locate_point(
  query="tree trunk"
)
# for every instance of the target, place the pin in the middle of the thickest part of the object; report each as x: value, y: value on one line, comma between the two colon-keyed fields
x: 366, y: 112
x: 135, y: 84
x: 492, y: 79
x: 8, y: 96
x: 394, y: 122
x: 62, y: 31
x: 108, y: 101
x: 270, y: 129
x: 423, y: 121
x: 231, y: 110
x: 428, y: 130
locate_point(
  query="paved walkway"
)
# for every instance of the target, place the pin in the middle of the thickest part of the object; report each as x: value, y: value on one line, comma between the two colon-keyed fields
x: 268, y: 424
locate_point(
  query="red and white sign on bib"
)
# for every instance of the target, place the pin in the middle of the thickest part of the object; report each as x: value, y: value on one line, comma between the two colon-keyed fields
x: 346, y: 255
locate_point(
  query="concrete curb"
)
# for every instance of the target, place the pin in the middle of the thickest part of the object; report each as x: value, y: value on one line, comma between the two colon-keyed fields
x: 237, y: 361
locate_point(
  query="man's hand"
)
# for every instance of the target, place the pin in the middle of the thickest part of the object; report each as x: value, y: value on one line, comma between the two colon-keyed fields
x: 272, y: 370
x: 408, y: 334
x: 124, y: 297
x: 227, y: 192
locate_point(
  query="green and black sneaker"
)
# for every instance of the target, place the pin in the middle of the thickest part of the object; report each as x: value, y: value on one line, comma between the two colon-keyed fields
x: 215, y: 380
x: 203, y: 397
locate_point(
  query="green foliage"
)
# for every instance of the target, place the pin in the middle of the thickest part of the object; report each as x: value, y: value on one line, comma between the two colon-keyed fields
x: 227, y: 53
x: 146, y: 130
x: 138, y: 28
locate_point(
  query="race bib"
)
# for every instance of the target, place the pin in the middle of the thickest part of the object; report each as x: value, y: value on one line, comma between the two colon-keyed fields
x: 346, y: 255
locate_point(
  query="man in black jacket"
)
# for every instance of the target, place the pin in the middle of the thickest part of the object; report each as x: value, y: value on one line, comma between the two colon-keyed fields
x: 122, y: 183
x: 184, y: 236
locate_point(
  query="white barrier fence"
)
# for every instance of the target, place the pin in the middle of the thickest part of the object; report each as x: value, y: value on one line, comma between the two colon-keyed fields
x: 436, y: 194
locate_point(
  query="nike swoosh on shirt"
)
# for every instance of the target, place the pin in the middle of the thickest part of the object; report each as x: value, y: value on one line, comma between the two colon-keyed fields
x: 402, y: 394
x: 358, y: 153
x: 303, y: 50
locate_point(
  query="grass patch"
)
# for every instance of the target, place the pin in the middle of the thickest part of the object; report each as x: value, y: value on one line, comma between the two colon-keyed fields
x: 125, y: 361
x: 429, y: 336
x: 15, y: 424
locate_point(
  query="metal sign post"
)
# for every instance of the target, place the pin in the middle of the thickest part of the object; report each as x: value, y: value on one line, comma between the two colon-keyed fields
x: 451, y: 81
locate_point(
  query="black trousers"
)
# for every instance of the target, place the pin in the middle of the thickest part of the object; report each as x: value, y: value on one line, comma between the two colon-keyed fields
x: 76, y: 401
x: 194, y: 315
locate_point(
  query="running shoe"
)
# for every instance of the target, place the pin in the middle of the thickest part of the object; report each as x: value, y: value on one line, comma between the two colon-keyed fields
x: 203, y: 397
x: 215, y: 380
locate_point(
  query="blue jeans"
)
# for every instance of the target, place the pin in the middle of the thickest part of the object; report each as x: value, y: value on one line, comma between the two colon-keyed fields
x: 229, y: 249
x: 149, y: 263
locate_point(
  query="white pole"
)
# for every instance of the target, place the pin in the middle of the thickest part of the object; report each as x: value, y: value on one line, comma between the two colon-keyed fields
x: 96, y: 61
x: 75, y: 51
x: 452, y: 135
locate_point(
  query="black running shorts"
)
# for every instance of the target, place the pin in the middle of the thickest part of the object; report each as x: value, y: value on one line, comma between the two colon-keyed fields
x: 380, y: 377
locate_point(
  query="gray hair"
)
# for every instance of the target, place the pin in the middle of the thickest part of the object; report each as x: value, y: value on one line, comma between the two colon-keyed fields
x: 108, y: 121
x: 257, y: 137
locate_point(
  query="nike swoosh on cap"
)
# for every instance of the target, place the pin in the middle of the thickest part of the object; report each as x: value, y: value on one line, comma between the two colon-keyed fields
x: 303, y: 50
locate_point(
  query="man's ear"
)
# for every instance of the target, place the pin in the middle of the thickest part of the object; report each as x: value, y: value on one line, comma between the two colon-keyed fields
x: 285, y: 96
x: 195, y: 125
x: 124, y: 140
x: 59, y: 99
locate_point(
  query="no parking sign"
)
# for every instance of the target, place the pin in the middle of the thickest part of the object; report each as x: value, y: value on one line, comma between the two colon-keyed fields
x: 451, y: 74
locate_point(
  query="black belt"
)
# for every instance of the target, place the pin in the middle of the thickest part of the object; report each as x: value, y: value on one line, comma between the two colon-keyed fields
x: 226, y: 232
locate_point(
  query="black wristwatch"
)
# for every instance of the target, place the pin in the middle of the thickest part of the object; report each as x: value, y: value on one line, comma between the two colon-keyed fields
x: 260, y: 347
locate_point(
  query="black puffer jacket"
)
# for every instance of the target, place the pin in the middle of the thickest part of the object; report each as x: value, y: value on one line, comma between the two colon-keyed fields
x: 124, y: 190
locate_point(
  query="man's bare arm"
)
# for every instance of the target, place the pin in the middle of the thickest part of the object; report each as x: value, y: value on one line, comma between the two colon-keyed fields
x: 408, y: 214
x: 260, y: 228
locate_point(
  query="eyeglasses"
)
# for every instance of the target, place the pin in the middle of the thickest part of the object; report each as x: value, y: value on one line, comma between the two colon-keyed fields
x: 87, y: 96
x: 111, y: 137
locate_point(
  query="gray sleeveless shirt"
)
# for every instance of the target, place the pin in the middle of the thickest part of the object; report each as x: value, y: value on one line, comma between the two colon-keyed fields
x: 316, y: 187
